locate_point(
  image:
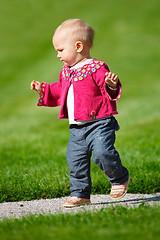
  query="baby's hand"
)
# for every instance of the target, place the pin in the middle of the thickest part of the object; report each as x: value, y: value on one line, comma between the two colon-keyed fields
x: 111, y: 79
x: 35, y: 85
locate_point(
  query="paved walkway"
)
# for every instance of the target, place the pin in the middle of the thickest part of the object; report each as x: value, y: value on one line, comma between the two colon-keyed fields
x: 54, y: 206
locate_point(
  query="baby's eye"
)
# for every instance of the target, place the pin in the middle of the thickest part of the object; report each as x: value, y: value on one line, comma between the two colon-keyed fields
x: 60, y: 50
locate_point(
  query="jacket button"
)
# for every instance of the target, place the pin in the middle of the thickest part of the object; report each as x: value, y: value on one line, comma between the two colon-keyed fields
x: 93, y: 115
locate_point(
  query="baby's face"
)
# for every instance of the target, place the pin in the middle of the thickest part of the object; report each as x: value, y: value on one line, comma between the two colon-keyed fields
x: 65, y: 47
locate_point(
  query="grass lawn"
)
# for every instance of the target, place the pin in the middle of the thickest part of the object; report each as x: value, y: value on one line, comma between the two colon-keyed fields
x: 32, y: 141
x: 112, y: 223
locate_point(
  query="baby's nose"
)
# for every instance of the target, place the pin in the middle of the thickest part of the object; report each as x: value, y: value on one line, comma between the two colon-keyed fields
x: 58, y: 55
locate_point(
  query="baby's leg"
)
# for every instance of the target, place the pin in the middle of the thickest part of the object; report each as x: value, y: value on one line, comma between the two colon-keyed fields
x: 78, y: 160
x: 105, y: 154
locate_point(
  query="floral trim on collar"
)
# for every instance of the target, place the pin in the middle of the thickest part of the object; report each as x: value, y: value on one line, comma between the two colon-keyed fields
x: 81, y: 73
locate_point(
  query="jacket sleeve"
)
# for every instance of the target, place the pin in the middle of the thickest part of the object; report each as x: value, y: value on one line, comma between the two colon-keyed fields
x: 113, y: 95
x: 50, y: 95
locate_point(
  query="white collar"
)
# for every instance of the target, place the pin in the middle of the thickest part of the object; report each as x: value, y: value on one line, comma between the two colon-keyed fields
x: 81, y: 64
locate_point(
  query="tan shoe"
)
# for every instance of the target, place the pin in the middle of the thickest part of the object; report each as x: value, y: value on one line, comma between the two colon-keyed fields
x: 119, y: 191
x: 75, y: 202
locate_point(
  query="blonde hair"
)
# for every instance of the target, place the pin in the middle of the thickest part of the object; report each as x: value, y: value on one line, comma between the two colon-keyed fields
x: 79, y: 30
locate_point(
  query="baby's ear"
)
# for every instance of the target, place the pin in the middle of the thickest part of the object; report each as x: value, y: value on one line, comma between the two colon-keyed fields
x: 79, y: 46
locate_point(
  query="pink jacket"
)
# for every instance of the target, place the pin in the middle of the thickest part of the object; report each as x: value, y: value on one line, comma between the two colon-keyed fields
x: 92, y: 98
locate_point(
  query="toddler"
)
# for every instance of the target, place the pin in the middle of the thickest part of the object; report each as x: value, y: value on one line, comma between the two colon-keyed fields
x: 87, y: 92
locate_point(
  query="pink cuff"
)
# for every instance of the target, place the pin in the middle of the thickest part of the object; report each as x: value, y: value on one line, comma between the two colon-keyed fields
x: 42, y: 94
x: 113, y: 91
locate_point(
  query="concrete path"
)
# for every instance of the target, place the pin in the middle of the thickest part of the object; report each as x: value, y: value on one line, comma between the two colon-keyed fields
x: 54, y: 206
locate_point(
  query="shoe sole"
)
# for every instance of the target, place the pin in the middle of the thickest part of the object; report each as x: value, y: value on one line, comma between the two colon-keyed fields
x: 76, y: 205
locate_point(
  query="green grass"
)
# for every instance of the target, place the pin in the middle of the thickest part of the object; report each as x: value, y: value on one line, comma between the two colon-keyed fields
x: 112, y: 223
x: 32, y: 141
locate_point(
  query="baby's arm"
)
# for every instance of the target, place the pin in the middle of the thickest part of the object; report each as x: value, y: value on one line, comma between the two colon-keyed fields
x: 111, y: 80
x: 49, y: 94
x: 35, y: 85
x: 113, y: 85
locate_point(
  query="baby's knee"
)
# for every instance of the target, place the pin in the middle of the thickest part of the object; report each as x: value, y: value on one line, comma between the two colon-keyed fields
x: 104, y: 155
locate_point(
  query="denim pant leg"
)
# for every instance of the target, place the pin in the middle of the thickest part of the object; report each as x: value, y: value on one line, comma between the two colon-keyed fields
x: 78, y: 160
x: 102, y: 139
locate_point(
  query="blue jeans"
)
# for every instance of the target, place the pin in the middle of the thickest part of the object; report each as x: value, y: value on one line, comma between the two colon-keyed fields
x: 97, y: 138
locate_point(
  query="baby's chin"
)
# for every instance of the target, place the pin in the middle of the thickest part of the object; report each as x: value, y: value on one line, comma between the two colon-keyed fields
x: 65, y: 64
x: 69, y: 64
